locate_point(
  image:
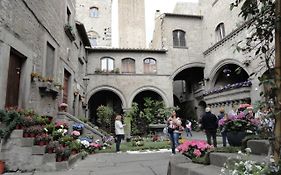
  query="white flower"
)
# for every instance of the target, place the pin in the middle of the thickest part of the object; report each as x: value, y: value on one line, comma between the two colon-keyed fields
x: 85, y: 143
x: 248, y: 150
x: 271, y: 159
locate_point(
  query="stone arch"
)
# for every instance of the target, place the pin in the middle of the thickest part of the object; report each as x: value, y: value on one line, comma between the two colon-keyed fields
x: 108, y: 88
x: 186, y: 66
x: 148, y: 88
x: 213, y: 74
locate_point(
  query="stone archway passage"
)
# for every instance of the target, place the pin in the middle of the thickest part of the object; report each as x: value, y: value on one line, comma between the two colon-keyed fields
x: 146, y: 99
x: 105, y: 98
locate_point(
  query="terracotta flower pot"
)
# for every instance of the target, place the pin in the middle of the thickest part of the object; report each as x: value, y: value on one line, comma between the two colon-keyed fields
x: 2, y: 166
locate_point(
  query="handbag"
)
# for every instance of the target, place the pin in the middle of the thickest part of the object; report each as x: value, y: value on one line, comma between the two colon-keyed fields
x: 170, y: 130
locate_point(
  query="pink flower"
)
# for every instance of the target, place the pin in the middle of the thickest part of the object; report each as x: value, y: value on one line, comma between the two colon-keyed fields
x: 75, y: 133
x: 197, y: 152
x: 63, y: 105
x: 195, y: 147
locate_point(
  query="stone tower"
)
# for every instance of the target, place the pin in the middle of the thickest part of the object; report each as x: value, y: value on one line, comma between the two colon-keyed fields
x: 131, y: 24
x: 96, y: 16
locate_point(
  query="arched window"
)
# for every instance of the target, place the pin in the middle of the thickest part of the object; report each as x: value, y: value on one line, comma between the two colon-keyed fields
x: 93, y: 36
x: 150, y: 66
x: 220, y: 32
x: 107, y: 64
x: 94, y: 12
x: 128, y: 65
x: 179, y: 38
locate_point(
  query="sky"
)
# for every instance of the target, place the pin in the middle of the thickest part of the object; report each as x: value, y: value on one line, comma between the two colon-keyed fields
x: 165, y: 6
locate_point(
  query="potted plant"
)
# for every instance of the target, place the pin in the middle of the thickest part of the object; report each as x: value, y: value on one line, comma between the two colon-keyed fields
x: 66, y: 154
x: 42, y: 139
x: 50, y: 148
x: 63, y: 107
x: 59, y: 153
x: 75, y: 134
x: 237, y: 127
x: 78, y: 127
x: 49, y: 128
x: 194, y: 148
x: 75, y: 147
x: 65, y: 140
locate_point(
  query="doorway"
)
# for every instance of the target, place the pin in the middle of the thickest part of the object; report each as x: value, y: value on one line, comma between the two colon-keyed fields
x: 14, y: 76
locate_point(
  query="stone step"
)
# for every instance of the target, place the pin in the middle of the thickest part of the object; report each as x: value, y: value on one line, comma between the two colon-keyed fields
x: 204, y: 170
x: 27, y: 141
x: 259, y: 147
x: 218, y: 159
x: 38, y: 150
x: 17, y: 133
x: 194, y: 169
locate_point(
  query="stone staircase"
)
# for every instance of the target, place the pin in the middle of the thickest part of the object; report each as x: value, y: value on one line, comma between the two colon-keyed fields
x: 180, y: 165
x: 20, y: 153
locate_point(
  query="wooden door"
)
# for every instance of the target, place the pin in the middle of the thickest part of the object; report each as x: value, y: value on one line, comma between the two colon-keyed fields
x: 66, y: 85
x: 13, y: 81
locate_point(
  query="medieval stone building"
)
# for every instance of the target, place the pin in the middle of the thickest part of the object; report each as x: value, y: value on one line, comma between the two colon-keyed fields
x: 191, y: 61
x: 43, y: 56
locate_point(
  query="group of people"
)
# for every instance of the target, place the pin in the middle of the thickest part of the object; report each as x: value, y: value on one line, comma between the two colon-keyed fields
x: 175, y: 129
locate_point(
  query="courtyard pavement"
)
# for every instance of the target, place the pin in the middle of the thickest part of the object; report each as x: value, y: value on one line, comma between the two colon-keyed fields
x: 132, y: 163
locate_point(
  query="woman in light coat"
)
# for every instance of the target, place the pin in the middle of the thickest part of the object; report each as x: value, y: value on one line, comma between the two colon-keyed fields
x: 119, y: 131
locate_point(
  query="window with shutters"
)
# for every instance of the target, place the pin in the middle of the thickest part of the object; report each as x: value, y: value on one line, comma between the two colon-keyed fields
x: 50, y: 61
x: 150, y: 66
x: 179, y: 38
x: 128, y: 65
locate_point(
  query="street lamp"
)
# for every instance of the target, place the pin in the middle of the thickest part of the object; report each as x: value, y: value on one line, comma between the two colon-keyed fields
x: 85, y: 105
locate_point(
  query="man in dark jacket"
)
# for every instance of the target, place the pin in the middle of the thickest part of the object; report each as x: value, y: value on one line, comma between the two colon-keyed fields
x: 210, y: 125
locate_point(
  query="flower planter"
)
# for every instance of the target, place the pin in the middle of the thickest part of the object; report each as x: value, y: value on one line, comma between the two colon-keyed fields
x: 2, y: 166
x: 50, y: 151
x: 59, y: 158
x: 235, y: 138
x: 19, y: 126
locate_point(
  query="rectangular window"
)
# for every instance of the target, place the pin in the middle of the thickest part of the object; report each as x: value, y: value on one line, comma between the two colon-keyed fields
x: 68, y: 16
x: 66, y: 86
x: 80, y: 67
x: 50, y: 60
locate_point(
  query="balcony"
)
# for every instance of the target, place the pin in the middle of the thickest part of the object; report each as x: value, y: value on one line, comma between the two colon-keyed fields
x: 48, y: 89
x: 69, y: 32
x: 228, y: 95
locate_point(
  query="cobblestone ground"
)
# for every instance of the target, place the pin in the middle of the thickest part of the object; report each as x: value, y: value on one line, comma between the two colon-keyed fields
x: 121, y: 163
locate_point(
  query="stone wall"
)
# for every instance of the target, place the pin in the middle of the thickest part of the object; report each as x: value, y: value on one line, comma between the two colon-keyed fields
x: 27, y: 26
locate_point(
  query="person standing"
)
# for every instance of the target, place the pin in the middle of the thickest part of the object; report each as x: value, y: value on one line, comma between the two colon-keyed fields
x: 119, y: 132
x: 173, y: 123
x: 188, y: 128
x: 210, y: 125
x: 223, y: 131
